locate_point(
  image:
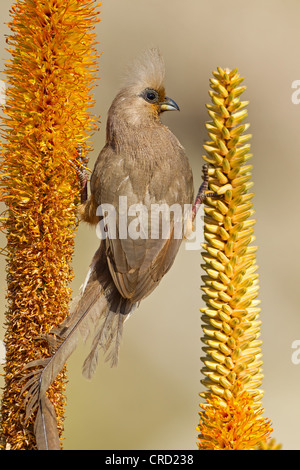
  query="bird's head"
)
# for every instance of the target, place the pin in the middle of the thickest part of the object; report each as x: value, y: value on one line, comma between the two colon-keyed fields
x: 143, y: 97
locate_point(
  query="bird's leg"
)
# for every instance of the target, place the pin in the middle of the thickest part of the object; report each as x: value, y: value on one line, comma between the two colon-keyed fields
x: 202, y: 194
x: 82, y: 173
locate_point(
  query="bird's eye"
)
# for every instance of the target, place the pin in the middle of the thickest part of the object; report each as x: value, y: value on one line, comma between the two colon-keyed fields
x: 150, y: 95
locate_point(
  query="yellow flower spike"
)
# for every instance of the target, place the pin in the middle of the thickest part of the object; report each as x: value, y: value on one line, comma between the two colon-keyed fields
x: 232, y: 412
x: 233, y: 424
x: 49, y: 79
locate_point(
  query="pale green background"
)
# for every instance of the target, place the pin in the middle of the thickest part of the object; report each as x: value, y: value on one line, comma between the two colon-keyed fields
x: 150, y: 401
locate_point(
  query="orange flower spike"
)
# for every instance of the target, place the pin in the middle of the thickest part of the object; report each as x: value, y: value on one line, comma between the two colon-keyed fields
x: 50, y: 76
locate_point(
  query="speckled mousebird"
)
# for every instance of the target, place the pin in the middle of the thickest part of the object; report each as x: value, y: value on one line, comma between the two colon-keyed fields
x: 144, y: 161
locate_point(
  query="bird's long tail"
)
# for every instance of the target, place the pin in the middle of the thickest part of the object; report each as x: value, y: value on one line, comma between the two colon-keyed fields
x: 99, y: 312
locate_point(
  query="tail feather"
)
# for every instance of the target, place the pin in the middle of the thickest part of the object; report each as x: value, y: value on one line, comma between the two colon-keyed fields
x: 94, y: 315
x: 114, y: 353
x: 107, y: 334
x: 45, y: 426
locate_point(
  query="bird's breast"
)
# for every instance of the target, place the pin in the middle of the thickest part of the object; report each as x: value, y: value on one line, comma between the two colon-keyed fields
x: 147, y: 167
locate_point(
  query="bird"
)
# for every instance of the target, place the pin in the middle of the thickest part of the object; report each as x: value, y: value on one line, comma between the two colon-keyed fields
x: 144, y: 163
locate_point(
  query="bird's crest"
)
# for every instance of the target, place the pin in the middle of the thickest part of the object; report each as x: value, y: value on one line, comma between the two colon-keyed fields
x: 146, y: 71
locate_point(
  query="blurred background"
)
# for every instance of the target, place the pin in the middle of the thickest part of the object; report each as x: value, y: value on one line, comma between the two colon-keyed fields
x: 151, y: 400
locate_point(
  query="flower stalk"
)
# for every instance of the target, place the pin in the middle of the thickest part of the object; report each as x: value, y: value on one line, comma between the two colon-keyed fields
x: 47, y: 120
x: 231, y: 327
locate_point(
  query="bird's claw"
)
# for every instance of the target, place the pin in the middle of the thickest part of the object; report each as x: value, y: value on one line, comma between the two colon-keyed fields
x: 202, y: 193
x: 82, y: 172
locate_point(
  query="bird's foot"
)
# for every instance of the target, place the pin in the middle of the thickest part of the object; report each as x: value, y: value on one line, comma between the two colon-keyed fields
x: 82, y: 172
x: 202, y: 193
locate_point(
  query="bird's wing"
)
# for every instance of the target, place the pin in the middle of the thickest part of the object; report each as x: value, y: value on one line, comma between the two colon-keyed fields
x: 137, y: 283
x: 157, y: 174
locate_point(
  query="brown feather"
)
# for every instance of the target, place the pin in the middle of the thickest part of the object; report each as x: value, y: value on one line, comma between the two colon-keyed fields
x: 45, y: 426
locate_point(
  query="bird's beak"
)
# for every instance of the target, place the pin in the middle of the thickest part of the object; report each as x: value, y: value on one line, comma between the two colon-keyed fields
x: 169, y: 105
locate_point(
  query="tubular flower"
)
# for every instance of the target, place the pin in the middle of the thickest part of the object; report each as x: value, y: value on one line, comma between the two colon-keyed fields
x: 232, y: 364
x: 233, y: 425
x: 47, y: 124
